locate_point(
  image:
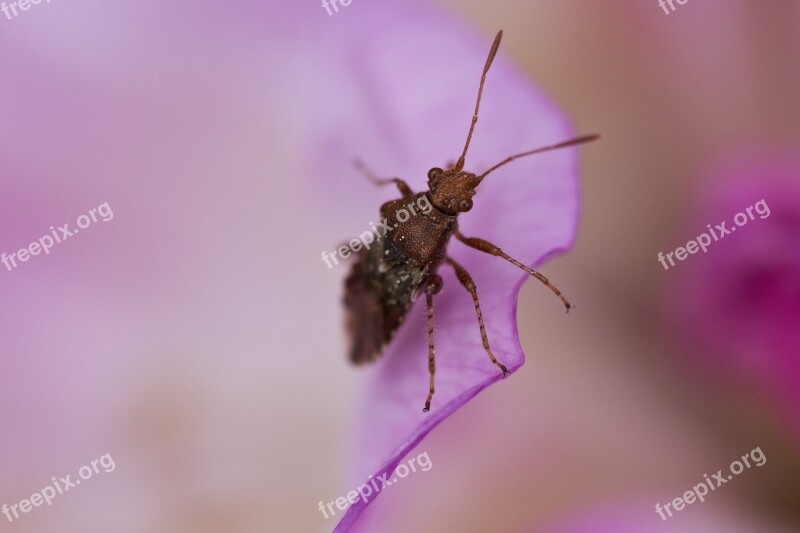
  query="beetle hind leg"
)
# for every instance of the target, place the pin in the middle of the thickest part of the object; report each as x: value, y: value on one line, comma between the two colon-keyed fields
x: 434, y: 286
x: 466, y: 281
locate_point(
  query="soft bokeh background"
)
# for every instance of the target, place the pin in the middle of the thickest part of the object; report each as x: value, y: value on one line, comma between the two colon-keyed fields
x: 197, y: 338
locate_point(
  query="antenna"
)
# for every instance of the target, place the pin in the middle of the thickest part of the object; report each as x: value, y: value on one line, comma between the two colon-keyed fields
x: 492, y: 53
x: 572, y: 142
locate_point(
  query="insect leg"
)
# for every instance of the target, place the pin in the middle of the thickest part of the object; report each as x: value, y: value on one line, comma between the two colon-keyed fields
x: 433, y: 287
x: 402, y: 186
x: 489, y: 248
x: 466, y: 280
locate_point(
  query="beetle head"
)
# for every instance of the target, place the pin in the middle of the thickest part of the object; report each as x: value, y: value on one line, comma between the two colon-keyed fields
x: 452, y: 190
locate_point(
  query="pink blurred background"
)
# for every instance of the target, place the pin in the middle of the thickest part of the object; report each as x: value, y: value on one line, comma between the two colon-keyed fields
x: 197, y: 339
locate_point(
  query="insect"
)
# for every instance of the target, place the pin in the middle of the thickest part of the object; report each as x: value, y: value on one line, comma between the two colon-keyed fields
x: 387, y: 278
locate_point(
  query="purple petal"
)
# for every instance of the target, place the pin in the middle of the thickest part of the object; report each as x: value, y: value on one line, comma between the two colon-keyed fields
x: 411, y: 92
x: 740, y: 301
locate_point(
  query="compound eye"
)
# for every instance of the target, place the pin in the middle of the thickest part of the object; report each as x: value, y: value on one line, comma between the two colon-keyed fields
x: 464, y: 205
x: 434, y: 173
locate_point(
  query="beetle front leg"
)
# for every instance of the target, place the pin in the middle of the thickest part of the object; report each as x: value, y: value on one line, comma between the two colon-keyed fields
x: 402, y: 186
x: 489, y: 248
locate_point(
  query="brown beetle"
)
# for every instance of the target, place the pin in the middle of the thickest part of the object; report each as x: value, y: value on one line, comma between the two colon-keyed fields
x: 387, y: 277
